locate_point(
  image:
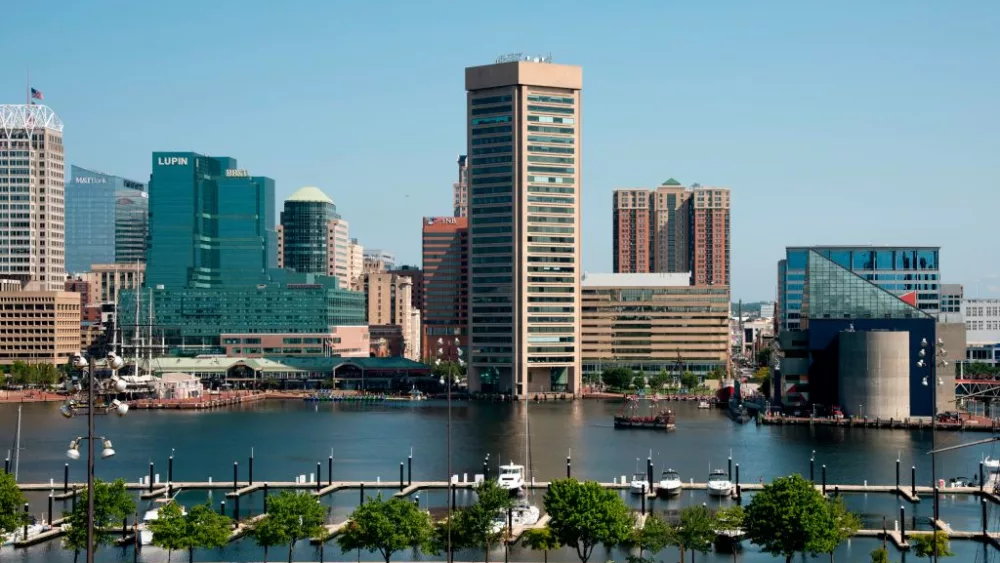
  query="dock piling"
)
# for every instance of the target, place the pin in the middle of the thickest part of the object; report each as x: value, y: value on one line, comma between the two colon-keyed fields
x: 569, y: 465
x: 319, y: 480
x: 897, y: 472
x: 649, y: 474
x: 222, y: 507
x: 236, y: 509
x: 738, y: 492
x: 151, y: 476
x: 329, y: 470
x: 170, y: 469
x: 982, y: 482
x: 824, y: 479
x: 812, y: 467
x: 51, y: 517
x: 401, y: 476
x: 644, y: 504
x: 913, y: 480
x: 362, y: 499
x: 250, y: 469
x: 265, y: 497
x: 236, y: 474
x: 982, y: 504
x: 409, y: 470
x: 453, y: 491
x: 6, y: 464
x: 26, y: 519
x: 729, y: 465
x: 66, y: 476
x: 902, y: 524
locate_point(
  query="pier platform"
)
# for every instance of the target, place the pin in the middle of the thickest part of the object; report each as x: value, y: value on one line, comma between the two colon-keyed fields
x: 972, y: 425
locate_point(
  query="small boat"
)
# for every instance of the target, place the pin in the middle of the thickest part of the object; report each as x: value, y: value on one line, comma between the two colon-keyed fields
x: 416, y: 395
x: 511, y: 477
x: 704, y: 405
x: 719, y: 484
x: 638, y: 485
x: 18, y: 535
x: 991, y: 464
x: 656, y: 416
x: 669, y: 485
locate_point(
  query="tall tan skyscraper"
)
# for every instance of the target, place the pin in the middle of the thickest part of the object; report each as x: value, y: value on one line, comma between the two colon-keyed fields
x: 32, y: 213
x: 673, y: 229
x: 524, y: 158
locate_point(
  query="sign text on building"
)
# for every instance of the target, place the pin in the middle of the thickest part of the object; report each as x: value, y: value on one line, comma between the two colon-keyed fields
x: 90, y: 180
x: 172, y: 161
x: 237, y: 173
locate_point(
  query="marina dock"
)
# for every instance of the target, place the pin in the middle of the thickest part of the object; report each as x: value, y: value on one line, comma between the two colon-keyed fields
x: 984, y: 425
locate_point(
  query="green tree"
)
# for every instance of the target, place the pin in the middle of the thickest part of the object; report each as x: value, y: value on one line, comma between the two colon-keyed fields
x: 880, y: 555
x: 689, y: 380
x: 267, y: 533
x: 695, y: 531
x: 788, y: 516
x: 718, y: 373
x: 170, y: 529
x: 730, y: 520
x: 112, y: 504
x: 387, y: 527
x: 844, y: 524
x: 12, y: 502
x: 659, y: 379
x: 298, y: 514
x: 206, y: 529
x: 586, y: 514
x: 923, y: 544
x: 617, y: 378
x: 475, y: 526
x: 541, y: 539
x: 763, y: 357
x: 654, y: 536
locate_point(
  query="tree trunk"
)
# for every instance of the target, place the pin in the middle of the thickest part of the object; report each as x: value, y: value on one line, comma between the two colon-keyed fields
x: 76, y: 555
x: 291, y: 548
x: 170, y: 553
x: 788, y: 559
x: 487, y: 557
x: 190, y: 555
x: 265, y: 554
x: 545, y: 555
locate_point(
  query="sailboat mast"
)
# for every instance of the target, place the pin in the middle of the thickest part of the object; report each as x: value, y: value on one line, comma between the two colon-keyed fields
x: 17, y: 444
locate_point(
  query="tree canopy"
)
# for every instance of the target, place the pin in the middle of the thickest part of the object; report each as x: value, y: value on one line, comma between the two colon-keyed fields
x: 540, y: 539
x: 923, y: 544
x: 790, y: 516
x: 206, y: 529
x: 386, y: 527
x: 696, y: 529
x: 112, y: 504
x: 654, y: 536
x: 659, y: 379
x: 618, y: 377
x: 474, y: 526
x: 295, y: 516
x: 170, y: 529
x: 586, y: 514
x: 689, y: 380
x: 880, y: 555
x: 11, y: 504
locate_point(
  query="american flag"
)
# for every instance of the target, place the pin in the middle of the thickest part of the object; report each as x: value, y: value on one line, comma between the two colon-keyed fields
x: 37, y: 94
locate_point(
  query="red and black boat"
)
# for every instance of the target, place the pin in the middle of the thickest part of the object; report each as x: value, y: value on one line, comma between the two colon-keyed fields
x: 645, y: 412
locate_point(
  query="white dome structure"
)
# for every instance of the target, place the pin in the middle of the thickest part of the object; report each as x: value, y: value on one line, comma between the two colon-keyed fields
x: 310, y: 194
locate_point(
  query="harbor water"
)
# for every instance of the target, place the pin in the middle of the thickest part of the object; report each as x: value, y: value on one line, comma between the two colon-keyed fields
x: 369, y: 441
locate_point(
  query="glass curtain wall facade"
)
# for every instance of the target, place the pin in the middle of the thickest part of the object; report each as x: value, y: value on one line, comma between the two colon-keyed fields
x: 909, y: 273
x: 106, y: 220
x: 524, y: 163
x: 445, y: 281
x: 305, y: 222
x: 211, y: 223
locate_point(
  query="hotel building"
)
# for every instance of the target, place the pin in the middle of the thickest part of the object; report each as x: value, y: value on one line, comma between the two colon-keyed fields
x: 107, y: 220
x: 32, y: 205
x: 524, y: 158
x: 654, y: 322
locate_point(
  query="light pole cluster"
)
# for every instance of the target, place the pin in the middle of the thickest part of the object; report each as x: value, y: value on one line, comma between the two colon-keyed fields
x: 932, y: 380
x: 95, y: 400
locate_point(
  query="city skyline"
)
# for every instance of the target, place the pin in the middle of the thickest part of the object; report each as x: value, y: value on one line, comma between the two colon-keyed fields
x: 801, y: 107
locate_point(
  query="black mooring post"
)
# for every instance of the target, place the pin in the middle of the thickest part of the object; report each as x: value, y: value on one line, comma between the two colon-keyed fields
x: 72, y: 504
x: 6, y: 465
x: 222, y: 507
x: 265, y: 498
x: 824, y: 478
x: 66, y: 477
x: 409, y: 470
x: 170, y: 469
x: 486, y: 470
x: 151, y: 476
x: 982, y: 483
x: 897, y: 473
x: 812, y: 467
x: 51, y: 517
x: 362, y: 499
x: 453, y: 494
x: 250, y: 470
x: 738, y: 492
x: 649, y: 474
x: 236, y: 474
x: 236, y: 509
x: 319, y: 481
x: 913, y: 480
x: 983, y: 519
x: 569, y: 466
x: 124, y: 526
x: 329, y: 470
x: 26, y: 519
x: 644, y: 504
x: 902, y: 523
x: 729, y: 465
x: 401, y: 475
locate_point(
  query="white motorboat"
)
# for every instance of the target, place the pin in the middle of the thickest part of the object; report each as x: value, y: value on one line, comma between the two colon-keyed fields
x: 522, y: 514
x: 669, y: 485
x: 145, y: 534
x: 719, y: 484
x: 639, y: 485
x: 511, y: 477
x: 18, y: 534
x: 992, y: 465
x: 704, y: 405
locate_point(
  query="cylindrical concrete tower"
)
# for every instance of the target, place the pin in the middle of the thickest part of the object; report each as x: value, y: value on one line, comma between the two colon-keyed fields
x: 875, y: 373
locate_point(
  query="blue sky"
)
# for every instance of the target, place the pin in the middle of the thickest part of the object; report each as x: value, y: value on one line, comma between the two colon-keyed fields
x: 837, y: 123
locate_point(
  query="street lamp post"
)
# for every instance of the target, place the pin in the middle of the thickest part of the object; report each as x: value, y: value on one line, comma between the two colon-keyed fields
x: 73, y: 407
x: 453, y: 371
x: 932, y: 380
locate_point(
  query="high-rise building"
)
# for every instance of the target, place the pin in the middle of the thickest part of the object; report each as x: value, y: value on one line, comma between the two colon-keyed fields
x: 106, y: 220
x: 460, y: 189
x: 633, y: 235
x: 356, y: 263
x: 911, y: 273
x: 312, y: 236
x: 32, y: 205
x: 673, y: 229
x: 416, y: 276
x: 446, y: 291
x: 211, y: 223
x: 377, y: 260
x: 38, y: 326
x: 523, y: 121
x: 389, y: 304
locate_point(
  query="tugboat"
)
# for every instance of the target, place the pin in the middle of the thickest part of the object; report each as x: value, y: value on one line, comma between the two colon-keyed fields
x: 656, y: 417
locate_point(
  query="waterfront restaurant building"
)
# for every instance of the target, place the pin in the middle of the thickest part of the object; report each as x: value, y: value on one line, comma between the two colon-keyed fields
x: 653, y: 322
